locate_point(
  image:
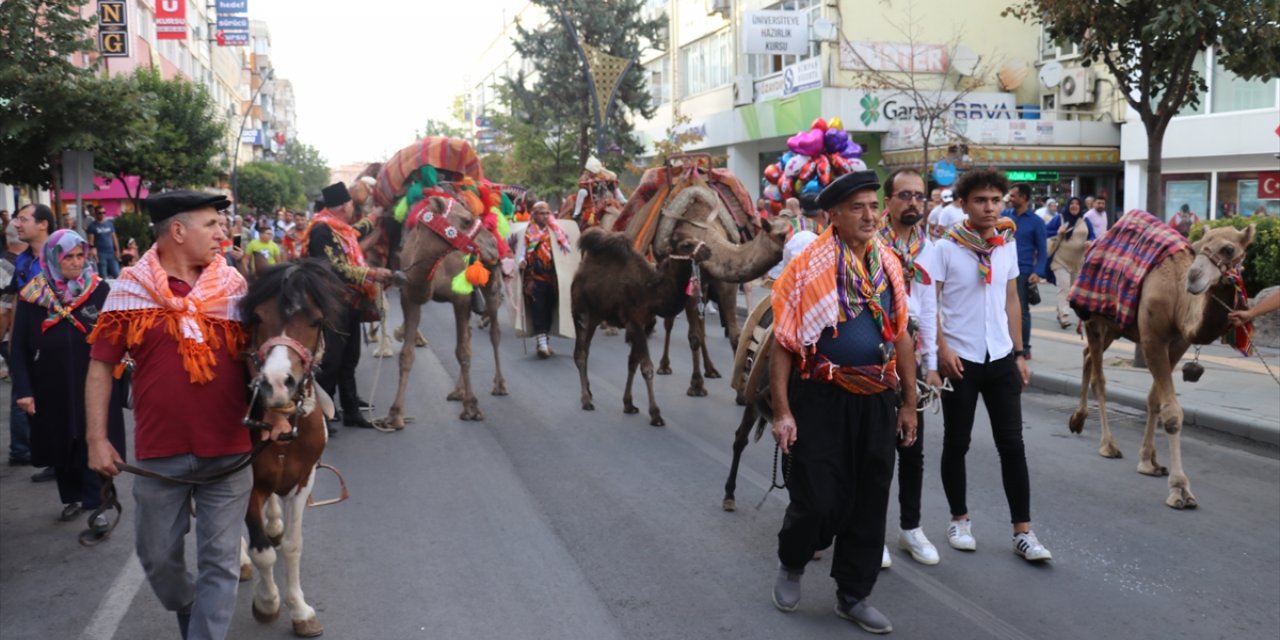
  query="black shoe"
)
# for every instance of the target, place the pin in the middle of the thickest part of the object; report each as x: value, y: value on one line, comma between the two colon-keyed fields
x: 358, y: 421
x: 862, y: 614
x: 44, y: 475
x: 363, y: 404
x: 70, y: 512
x: 19, y: 461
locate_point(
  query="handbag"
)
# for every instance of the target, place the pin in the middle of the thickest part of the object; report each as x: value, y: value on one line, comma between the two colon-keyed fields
x: 1033, y: 294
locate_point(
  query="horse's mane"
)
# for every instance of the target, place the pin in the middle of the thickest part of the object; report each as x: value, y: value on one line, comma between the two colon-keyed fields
x: 307, y: 284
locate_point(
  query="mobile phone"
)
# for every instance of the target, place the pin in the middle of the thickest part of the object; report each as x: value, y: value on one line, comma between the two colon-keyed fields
x: 236, y: 241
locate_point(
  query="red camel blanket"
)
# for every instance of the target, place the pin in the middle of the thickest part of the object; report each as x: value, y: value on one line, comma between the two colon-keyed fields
x: 1110, y: 280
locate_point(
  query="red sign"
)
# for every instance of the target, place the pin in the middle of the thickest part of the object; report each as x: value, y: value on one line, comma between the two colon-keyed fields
x: 1269, y: 185
x: 279, y: 137
x: 171, y: 19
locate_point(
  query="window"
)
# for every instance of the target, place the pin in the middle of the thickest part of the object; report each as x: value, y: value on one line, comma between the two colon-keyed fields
x: 706, y: 64
x: 1051, y: 49
x: 1229, y: 93
x: 761, y: 65
x: 658, y: 76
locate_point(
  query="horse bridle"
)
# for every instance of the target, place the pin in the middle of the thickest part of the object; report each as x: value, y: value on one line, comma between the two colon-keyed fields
x: 310, y: 359
x: 1227, y: 269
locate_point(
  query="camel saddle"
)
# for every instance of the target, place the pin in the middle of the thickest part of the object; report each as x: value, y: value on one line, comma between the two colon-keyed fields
x: 448, y: 154
x: 658, y: 184
x: 1115, y: 266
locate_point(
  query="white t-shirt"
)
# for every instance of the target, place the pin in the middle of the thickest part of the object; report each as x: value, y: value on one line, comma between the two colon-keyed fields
x: 1099, y: 221
x: 799, y: 240
x: 947, y: 216
x: 973, y: 312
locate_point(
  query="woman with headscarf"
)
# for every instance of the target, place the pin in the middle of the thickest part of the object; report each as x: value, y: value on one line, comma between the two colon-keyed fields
x: 55, y: 312
x: 1069, y: 235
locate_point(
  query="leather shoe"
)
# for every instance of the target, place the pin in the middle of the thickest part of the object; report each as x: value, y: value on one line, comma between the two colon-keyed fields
x: 358, y: 421
x: 70, y: 512
x: 363, y: 404
x: 44, y: 475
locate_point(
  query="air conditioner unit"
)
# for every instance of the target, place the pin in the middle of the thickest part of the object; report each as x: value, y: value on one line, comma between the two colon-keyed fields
x: 744, y: 87
x: 722, y: 7
x: 1077, y: 86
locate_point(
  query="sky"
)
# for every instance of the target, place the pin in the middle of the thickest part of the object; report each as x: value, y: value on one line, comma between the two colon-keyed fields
x: 367, y: 73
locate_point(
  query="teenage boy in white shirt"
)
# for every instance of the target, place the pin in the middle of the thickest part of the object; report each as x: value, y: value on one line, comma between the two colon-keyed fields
x: 979, y: 333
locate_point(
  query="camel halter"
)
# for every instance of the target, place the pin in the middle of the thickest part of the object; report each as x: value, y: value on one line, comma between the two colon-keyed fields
x: 694, y: 288
x: 1228, y: 270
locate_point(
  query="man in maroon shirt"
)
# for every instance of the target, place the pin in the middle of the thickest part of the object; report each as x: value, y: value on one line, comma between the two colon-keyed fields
x: 174, y: 315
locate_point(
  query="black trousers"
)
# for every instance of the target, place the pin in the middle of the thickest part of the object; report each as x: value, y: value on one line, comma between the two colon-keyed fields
x: 1024, y: 283
x: 1000, y: 386
x: 911, y: 478
x: 841, y: 468
x: 542, y: 304
x: 341, y: 355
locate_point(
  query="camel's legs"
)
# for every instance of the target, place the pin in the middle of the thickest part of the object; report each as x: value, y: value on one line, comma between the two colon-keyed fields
x: 462, y: 317
x: 494, y: 300
x: 638, y: 338
x: 1099, y: 339
x: 584, y: 329
x: 697, y: 336
x: 304, y: 619
x: 1076, y: 423
x: 740, y: 437
x: 632, y: 363
x: 664, y: 366
x: 1163, y: 407
x: 412, y: 316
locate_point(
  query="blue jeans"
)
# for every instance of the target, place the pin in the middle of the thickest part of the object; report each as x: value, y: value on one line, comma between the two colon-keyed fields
x: 108, y: 266
x: 19, y: 433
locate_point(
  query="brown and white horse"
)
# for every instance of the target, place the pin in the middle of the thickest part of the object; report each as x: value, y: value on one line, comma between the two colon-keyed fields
x: 285, y: 311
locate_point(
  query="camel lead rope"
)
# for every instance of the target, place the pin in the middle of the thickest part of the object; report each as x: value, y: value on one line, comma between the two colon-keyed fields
x: 773, y: 483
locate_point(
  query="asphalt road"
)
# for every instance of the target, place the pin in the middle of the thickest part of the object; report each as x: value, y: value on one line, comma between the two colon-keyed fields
x: 545, y: 521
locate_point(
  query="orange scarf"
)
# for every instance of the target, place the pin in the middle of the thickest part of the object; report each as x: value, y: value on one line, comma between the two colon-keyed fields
x: 203, y: 322
x: 347, y: 236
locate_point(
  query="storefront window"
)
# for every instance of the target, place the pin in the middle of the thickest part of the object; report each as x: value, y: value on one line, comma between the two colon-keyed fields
x: 1186, y: 190
x: 1240, y: 193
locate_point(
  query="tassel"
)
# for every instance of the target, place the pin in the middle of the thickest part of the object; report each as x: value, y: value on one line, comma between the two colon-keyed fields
x: 414, y: 195
x: 402, y: 210
x: 429, y: 177
x: 477, y: 274
x: 504, y: 227
x: 460, y: 285
x: 508, y: 207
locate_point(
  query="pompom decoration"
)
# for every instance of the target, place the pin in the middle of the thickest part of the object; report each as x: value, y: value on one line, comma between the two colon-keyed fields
x: 460, y: 285
x: 477, y: 274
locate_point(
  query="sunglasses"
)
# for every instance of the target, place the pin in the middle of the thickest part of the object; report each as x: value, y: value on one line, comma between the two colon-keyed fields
x: 908, y: 196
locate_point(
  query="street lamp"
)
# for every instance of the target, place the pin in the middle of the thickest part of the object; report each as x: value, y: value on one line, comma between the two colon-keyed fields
x: 235, y: 159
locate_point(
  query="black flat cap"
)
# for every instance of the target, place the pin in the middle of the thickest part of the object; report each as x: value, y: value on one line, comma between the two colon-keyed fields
x: 845, y: 186
x: 335, y: 195
x: 162, y: 206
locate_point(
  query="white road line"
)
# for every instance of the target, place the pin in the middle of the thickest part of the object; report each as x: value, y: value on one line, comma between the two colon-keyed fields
x: 106, y: 620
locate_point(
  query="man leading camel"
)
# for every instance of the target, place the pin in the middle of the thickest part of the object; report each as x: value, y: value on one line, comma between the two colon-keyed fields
x: 538, y: 271
x: 841, y: 318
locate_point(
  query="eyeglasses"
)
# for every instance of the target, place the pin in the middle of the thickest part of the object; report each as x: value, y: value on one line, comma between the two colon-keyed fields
x: 908, y: 196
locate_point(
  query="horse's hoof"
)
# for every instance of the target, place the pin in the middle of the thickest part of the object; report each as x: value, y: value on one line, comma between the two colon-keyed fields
x: 696, y: 392
x: 246, y: 572
x: 263, y: 616
x: 657, y: 421
x: 587, y: 406
x: 663, y: 370
x: 729, y: 504
x: 711, y: 373
x: 308, y: 628
x: 1076, y: 424
x: 630, y: 409
x: 454, y: 396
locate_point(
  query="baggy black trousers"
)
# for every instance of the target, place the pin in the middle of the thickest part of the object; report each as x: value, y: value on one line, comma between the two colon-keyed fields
x: 841, y: 471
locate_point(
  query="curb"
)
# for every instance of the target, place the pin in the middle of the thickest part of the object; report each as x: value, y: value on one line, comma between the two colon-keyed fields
x: 1220, y: 421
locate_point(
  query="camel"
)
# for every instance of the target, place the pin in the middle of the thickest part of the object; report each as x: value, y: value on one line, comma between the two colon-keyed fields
x: 616, y: 284
x: 750, y: 378
x: 1185, y: 300
x: 697, y: 210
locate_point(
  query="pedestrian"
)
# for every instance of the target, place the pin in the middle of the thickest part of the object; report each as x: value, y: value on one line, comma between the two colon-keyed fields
x: 1069, y: 235
x: 1184, y: 219
x: 904, y: 234
x: 1033, y: 254
x: 105, y: 244
x: 33, y: 223
x: 537, y: 266
x: 262, y: 250
x: 57, y: 310
x: 332, y: 238
x: 946, y: 216
x: 816, y: 222
x: 173, y: 315
x: 1048, y: 211
x: 762, y: 208
x: 130, y: 253
x: 981, y: 354
x: 291, y: 248
x: 1096, y: 214
x: 840, y: 312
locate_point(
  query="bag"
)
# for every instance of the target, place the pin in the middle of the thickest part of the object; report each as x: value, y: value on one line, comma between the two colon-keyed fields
x: 1033, y: 294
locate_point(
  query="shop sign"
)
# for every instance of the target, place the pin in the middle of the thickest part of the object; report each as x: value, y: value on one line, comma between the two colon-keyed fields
x: 233, y: 23
x: 944, y: 173
x: 775, y: 32
x: 232, y: 38
x: 893, y: 57
x: 802, y: 76
x: 252, y: 136
x: 1032, y: 176
x: 233, y: 6
x: 113, y: 29
x: 1269, y: 185
x: 171, y: 19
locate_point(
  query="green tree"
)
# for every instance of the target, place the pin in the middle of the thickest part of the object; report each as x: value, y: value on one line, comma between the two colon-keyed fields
x: 266, y: 186
x: 544, y: 160
x: 677, y: 136
x: 1150, y: 47
x: 47, y: 105
x: 177, y: 133
x: 442, y: 128
x: 312, y: 168
x: 559, y: 99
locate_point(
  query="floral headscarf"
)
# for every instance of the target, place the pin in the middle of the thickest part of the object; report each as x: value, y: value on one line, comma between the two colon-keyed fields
x: 62, y: 242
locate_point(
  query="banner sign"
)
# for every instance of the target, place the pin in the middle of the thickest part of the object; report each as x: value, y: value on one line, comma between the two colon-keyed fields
x: 233, y: 6
x: 232, y: 38
x: 233, y: 23
x: 795, y: 78
x: 171, y: 19
x: 113, y: 29
x: 893, y: 57
x: 1269, y: 185
x: 252, y: 136
x: 775, y: 32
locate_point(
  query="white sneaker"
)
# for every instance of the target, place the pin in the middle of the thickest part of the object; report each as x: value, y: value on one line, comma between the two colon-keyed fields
x: 1027, y: 546
x: 921, y: 549
x: 886, y: 560
x: 960, y: 535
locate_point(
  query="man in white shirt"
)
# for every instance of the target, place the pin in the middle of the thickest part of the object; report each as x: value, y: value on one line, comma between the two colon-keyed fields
x: 946, y: 216
x: 1097, y: 216
x: 903, y: 232
x: 979, y: 351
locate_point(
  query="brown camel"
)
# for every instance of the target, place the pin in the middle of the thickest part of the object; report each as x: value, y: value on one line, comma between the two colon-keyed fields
x: 697, y: 211
x: 429, y: 263
x: 1185, y: 300
x: 617, y: 285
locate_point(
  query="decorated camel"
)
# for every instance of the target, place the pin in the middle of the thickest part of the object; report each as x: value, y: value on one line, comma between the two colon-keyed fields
x: 689, y: 198
x: 617, y: 285
x: 1143, y: 281
x: 598, y: 201
x: 439, y: 203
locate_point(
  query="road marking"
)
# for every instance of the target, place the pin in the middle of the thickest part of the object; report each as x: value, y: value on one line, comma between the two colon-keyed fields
x: 106, y: 620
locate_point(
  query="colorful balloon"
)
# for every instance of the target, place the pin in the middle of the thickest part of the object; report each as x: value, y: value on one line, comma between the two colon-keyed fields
x: 835, y: 139
x: 771, y: 192
x: 812, y: 187
x: 819, y: 124
x: 835, y: 123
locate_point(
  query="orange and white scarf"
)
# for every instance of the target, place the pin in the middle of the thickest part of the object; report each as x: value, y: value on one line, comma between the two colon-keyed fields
x: 203, y: 322
x: 347, y: 236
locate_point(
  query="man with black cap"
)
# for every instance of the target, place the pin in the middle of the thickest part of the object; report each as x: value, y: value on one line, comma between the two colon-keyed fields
x: 840, y: 311
x: 174, y: 316
x: 332, y: 237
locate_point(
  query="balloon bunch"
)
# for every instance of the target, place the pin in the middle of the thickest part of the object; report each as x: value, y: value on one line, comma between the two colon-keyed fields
x: 815, y: 158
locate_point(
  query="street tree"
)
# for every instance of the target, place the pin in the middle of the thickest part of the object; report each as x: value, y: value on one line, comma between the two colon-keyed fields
x: 544, y: 161
x: 442, y: 128
x: 558, y: 98
x: 1150, y: 48
x: 266, y: 186
x: 675, y: 140
x: 311, y: 167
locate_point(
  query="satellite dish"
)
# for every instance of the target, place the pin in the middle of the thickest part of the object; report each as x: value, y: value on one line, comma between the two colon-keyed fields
x: 965, y: 60
x: 1013, y: 74
x: 1051, y: 74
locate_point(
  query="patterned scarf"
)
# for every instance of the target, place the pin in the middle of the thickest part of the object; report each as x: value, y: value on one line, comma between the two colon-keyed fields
x: 1241, y: 337
x: 807, y: 299
x: 860, y: 283
x: 965, y: 236
x: 40, y: 293
x: 62, y: 242
x: 347, y: 235
x: 907, y: 252
x: 203, y: 322
x: 534, y: 235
